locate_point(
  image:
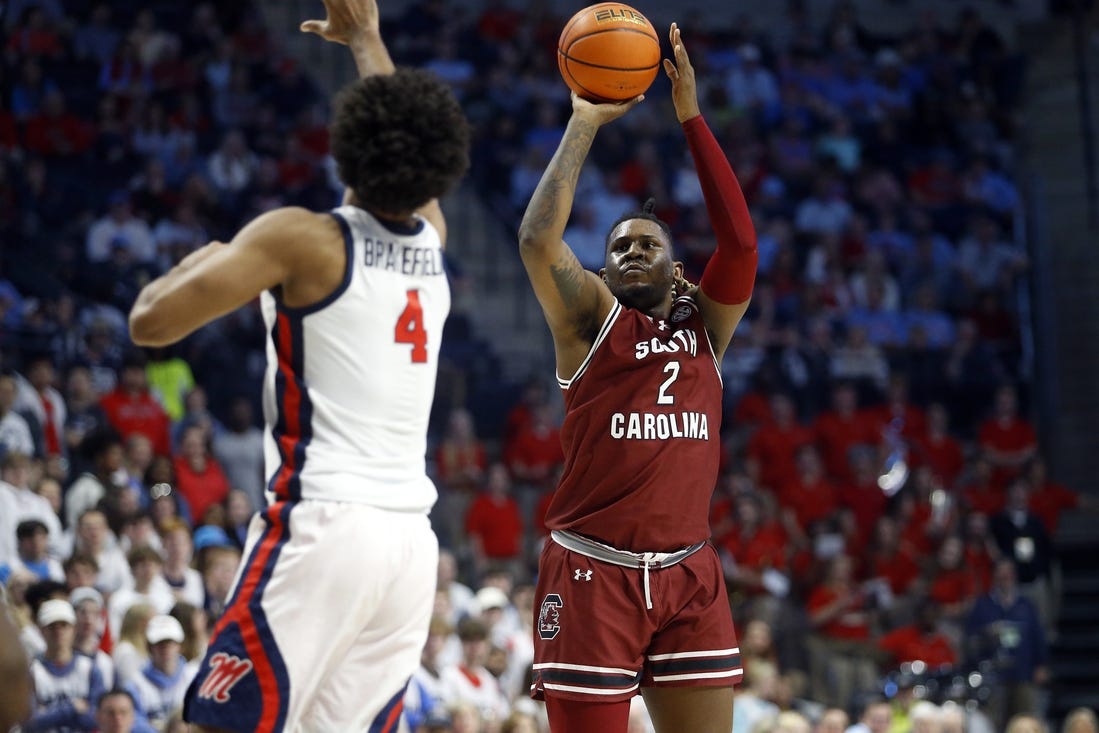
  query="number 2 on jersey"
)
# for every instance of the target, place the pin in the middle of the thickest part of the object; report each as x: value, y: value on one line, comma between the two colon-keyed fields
x: 664, y: 398
x: 410, y: 328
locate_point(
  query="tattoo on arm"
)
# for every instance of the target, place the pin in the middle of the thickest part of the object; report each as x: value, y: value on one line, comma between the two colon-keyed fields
x: 568, y: 276
x: 560, y: 179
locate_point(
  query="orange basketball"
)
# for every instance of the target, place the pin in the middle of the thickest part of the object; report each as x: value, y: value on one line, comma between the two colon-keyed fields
x: 608, y: 52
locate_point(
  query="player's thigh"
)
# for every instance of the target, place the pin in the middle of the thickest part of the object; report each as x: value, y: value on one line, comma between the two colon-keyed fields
x: 365, y: 685
x: 694, y: 709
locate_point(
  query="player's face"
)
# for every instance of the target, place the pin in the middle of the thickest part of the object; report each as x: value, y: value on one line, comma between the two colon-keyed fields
x: 639, y: 267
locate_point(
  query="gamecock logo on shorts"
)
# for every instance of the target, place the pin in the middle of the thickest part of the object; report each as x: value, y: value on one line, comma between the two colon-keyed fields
x: 225, y: 671
x: 549, y: 617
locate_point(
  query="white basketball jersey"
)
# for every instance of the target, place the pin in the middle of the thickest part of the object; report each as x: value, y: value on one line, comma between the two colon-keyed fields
x: 350, y: 380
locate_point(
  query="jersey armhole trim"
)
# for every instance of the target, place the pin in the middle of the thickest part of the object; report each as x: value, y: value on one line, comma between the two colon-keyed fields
x: 348, y: 269
x: 603, y: 331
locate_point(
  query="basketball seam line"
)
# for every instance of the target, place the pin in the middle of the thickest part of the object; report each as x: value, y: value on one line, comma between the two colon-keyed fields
x: 608, y: 68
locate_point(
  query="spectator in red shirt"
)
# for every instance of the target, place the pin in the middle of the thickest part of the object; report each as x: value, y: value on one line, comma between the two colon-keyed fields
x: 892, y: 559
x: 937, y: 448
x: 1008, y: 440
x: 897, y: 412
x: 839, y: 430
x: 55, y: 132
x: 199, y: 476
x: 755, y: 544
x: 1049, y: 499
x: 809, y: 498
x: 841, y: 615
x: 979, y: 494
x: 494, y: 524
x: 460, y: 460
x: 775, y: 444
x: 534, y: 454
x: 862, y: 494
x: 954, y: 584
x: 980, y: 549
x: 921, y: 641
x: 131, y: 409
x: 925, y: 511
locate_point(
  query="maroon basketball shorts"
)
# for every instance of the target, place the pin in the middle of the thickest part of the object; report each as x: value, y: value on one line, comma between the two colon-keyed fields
x: 596, y: 639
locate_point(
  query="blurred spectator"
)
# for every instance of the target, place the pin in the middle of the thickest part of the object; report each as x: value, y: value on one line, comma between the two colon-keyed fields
x: 15, y: 433
x: 1021, y: 537
x: 103, y: 454
x: 753, y: 701
x: 119, y: 227
x: 132, y: 409
x: 95, y: 538
x: 66, y: 684
x: 32, y: 543
x: 131, y: 652
x: 841, y: 614
x: 424, y: 698
x: 1049, y: 499
x: 775, y: 444
x: 148, y: 588
x: 468, y: 681
x: 1080, y: 720
x: 1005, y: 629
x: 159, y: 689
x: 90, y: 633
x: 199, y: 478
x: 49, y: 405
x: 18, y: 503
x: 1007, y: 439
x: 239, y: 450
x: 494, y: 524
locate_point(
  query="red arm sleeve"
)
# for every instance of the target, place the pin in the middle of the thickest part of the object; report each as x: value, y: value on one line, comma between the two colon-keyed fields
x: 731, y: 271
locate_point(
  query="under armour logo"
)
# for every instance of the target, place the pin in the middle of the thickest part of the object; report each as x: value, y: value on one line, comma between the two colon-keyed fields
x: 225, y: 671
x: 585, y: 574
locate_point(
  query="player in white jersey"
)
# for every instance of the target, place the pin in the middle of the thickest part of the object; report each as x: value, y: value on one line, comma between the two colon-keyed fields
x: 331, y: 606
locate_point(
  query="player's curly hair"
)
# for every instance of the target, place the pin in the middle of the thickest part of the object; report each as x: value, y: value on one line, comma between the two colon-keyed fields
x: 646, y: 213
x: 399, y: 140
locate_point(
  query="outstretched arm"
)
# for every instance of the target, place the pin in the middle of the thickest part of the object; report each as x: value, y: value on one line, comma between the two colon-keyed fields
x: 574, y: 300
x: 356, y: 24
x: 219, y: 278
x: 726, y: 285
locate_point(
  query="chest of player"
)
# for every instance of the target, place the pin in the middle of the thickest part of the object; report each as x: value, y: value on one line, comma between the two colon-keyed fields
x: 654, y: 365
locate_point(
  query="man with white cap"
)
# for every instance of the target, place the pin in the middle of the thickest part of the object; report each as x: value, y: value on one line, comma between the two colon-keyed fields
x: 158, y: 691
x: 66, y: 685
x: 91, y: 622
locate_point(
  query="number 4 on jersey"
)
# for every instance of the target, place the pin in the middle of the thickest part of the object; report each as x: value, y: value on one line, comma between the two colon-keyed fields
x: 410, y: 328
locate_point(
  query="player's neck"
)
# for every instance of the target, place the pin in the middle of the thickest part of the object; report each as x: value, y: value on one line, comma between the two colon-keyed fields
x: 406, y: 220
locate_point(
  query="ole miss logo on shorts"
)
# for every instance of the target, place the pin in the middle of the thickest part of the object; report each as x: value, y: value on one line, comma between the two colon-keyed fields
x: 549, y: 616
x: 225, y: 671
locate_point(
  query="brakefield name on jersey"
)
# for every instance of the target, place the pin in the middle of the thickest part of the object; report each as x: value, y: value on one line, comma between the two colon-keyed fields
x: 396, y: 257
x: 659, y: 426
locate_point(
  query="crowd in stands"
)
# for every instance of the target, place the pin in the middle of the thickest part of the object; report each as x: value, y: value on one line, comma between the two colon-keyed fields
x: 884, y: 512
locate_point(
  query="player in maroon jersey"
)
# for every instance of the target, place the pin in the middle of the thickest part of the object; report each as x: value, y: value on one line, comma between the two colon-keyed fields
x: 631, y: 591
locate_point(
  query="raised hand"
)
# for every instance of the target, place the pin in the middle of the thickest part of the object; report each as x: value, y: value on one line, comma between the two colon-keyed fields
x: 682, y: 76
x: 346, y: 21
x: 602, y: 113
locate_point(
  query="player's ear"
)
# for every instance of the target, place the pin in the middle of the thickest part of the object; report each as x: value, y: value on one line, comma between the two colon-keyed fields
x: 603, y: 273
x: 678, y: 269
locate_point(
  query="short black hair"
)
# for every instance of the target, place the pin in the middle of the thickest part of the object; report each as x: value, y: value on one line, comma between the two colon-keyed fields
x: 29, y: 528
x: 399, y: 140
x: 115, y: 692
x: 645, y: 213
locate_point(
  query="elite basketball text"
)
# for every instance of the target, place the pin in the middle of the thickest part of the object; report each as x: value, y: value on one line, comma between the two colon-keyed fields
x: 620, y: 15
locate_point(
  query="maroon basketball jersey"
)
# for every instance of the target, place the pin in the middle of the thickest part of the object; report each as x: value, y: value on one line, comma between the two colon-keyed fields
x: 641, y: 433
